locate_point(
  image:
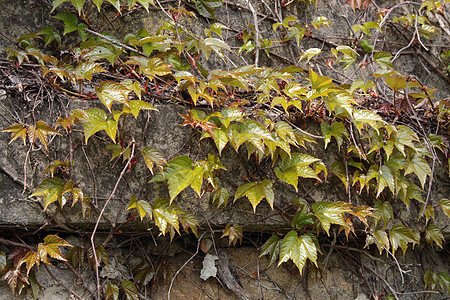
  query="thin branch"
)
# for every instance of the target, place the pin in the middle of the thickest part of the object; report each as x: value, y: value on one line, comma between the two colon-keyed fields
x: 100, y: 216
x: 255, y: 22
x: 184, y: 265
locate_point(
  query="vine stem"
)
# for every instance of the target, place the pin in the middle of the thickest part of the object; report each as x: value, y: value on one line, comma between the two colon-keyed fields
x: 255, y: 21
x: 101, y: 214
x: 184, y: 265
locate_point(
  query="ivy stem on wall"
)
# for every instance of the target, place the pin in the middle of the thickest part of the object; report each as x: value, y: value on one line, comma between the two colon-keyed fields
x: 101, y: 214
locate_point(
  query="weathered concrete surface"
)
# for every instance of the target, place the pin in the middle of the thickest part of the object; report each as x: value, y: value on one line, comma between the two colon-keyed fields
x: 98, y: 175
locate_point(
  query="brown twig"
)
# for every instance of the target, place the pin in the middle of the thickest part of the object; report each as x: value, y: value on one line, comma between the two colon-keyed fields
x: 100, y: 216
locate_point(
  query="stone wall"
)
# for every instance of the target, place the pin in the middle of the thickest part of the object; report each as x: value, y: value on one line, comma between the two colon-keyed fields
x: 349, y: 273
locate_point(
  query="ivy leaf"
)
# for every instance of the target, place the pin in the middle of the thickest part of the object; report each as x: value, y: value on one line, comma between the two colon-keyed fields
x: 71, y: 23
x: 296, y: 166
x: 143, y: 207
x: 397, y: 83
x: 330, y: 213
x: 78, y: 4
x: 115, y: 3
x: 271, y: 247
x: 165, y: 214
x: 217, y: 46
x: 150, y: 67
x: 380, y: 238
x: 112, y: 290
x: 144, y: 3
x: 130, y: 290
x: 419, y: 166
x: 206, y: 7
x: 101, y: 254
x: 86, y: 69
x: 110, y: 91
x: 336, y: 129
x: 2, y: 260
x: 400, y: 236
x: 255, y: 192
x: 75, y: 256
x: 96, y: 119
x: 153, y: 157
x: 384, y: 211
x: 301, y: 219
x: 310, y: 53
x: 189, y: 221
x: 17, y: 130
x: 50, y: 35
x: 221, y: 196
x: 383, y: 59
x: 41, y: 131
x: 386, y: 177
x: 444, y: 281
x: 51, y: 247
x: 445, y: 205
x: 299, y: 249
x: 430, y: 279
x: 51, y: 189
x: 234, y: 234
x: 31, y: 259
x: 405, y: 137
x: 135, y: 106
x: 362, y: 212
x: 434, y: 234
x: 362, y: 117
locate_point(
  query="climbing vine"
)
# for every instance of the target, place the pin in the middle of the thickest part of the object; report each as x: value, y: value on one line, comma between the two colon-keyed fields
x: 390, y: 133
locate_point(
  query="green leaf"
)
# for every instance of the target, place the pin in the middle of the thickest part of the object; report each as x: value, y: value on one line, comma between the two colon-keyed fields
x: 206, y: 7
x: 221, y: 196
x: 110, y: 91
x: 383, y: 59
x: 150, y: 67
x: 50, y: 35
x: 51, y: 189
x: 380, y: 239
x: 86, y: 69
x: 112, y: 290
x: 2, y: 260
x: 336, y: 129
x: 330, y: 213
x: 397, y: 83
x: 444, y: 281
x: 70, y: 21
x: 143, y: 207
x: 153, y: 157
x: 255, y: 192
x: 130, y: 290
x: 78, y: 4
x: 384, y: 211
x: 217, y: 46
x: 234, y: 234
x: 95, y: 120
x: 386, y: 177
x: 188, y: 220
x: 310, y: 53
x: 296, y: 166
x: 104, y: 51
x: 434, y: 235
x: 165, y: 214
x: 419, y: 166
x: 51, y: 247
x: 299, y: 249
x: 400, y: 236
x: 17, y: 130
x: 445, y: 205
x: 366, y: 117
x: 271, y: 247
